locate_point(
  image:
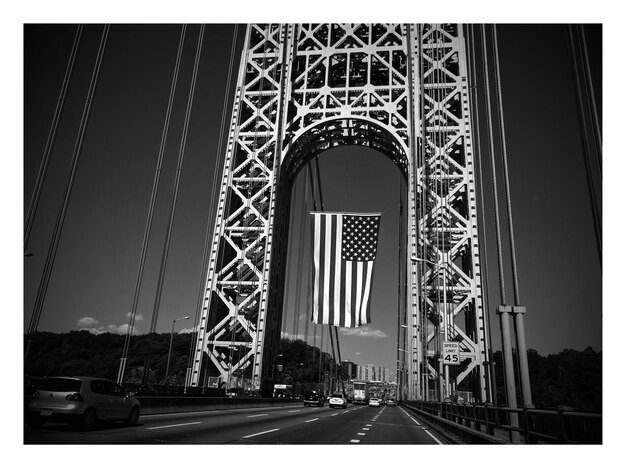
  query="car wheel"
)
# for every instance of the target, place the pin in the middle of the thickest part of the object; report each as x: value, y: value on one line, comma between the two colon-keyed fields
x: 88, y: 420
x: 133, y: 417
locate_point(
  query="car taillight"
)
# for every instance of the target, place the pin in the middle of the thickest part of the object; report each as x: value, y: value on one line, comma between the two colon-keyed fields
x: 74, y: 397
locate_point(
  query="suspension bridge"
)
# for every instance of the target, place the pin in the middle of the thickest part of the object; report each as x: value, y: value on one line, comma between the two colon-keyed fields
x: 428, y: 98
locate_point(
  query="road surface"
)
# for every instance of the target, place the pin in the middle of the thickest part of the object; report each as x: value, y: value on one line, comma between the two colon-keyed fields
x: 272, y: 425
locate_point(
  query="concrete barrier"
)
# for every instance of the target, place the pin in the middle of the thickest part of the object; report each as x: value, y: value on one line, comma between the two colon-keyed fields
x: 178, y: 404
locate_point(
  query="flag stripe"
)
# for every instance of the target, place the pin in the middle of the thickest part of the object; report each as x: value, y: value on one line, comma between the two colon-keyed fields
x: 316, y: 267
x: 326, y: 276
x: 337, y: 255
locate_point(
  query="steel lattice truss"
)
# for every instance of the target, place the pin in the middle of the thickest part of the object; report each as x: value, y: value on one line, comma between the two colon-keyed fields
x: 302, y: 89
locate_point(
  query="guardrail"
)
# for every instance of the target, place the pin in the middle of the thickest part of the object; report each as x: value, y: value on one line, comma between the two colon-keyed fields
x: 486, y: 423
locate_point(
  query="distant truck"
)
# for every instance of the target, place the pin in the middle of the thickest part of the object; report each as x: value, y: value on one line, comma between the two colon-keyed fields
x: 361, y: 392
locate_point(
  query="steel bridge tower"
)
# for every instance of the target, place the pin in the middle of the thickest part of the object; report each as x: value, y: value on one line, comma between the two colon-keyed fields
x: 303, y: 89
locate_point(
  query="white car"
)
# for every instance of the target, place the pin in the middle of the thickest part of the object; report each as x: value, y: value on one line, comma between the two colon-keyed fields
x: 374, y: 402
x: 337, y: 399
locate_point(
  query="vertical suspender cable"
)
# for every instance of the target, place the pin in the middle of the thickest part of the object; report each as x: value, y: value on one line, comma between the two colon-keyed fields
x: 314, y: 202
x: 483, y: 245
x: 583, y: 134
x: 590, y: 92
x: 492, y: 165
x: 179, y: 169
x: 148, y: 228
x: 507, y: 188
x: 43, y: 168
x: 58, y: 227
x: 215, y: 188
x: 511, y: 396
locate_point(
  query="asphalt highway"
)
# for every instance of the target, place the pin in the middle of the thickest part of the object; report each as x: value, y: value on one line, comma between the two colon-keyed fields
x: 271, y: 425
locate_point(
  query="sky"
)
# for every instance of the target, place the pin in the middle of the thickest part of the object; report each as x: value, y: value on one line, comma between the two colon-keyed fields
x: 94, y: 275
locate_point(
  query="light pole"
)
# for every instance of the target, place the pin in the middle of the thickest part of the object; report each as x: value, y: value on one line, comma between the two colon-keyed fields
x: 169, y: 353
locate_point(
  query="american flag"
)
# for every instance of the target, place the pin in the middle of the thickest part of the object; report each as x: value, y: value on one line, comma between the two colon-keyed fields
x: 344, y: 249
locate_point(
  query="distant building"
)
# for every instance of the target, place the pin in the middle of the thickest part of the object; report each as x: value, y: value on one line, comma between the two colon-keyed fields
x: 372, y: 373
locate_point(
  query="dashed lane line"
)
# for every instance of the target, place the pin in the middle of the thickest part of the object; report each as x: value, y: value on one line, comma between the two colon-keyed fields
x: 172, y: 425
x: 257, y: 415
x: 311, y: 420
x: 259, y: 433
x: 294, y: 411
x: 355, y: 441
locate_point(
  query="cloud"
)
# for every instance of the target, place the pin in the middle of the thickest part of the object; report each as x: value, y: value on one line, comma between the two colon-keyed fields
x: 121, y: 330
x: 291, y: 336
x: 87, y: 322
x: 95, y: 331
x: 363, y: 331
x: 137, y: 316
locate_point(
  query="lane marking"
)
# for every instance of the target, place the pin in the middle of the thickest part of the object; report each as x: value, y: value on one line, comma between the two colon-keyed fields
x: 257, y: 415
x: 369, y: 425
x: 355, y: 441
x: 173, y: 425
x: 311, y: 420
x: 294, y: 411
x: 360, y: 433
x: 334, y: 414
x: 365, y: 429
x: 259, y: 433
x: 425, y: 430
x: 434, y: 438
x: 344, y: 412
x: 411, y: 417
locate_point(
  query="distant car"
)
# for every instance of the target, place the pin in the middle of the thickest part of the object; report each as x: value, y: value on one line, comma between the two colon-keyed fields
x: 81, y: 400
x: 313, y: 398
x: 337, y: 399
x: 391, y: 402
x: 374, y: 402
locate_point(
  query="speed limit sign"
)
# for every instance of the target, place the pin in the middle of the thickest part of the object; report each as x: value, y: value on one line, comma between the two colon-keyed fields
x: 451, y: 353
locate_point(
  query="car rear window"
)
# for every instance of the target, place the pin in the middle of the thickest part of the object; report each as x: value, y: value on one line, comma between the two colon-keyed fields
x: 56, y: 384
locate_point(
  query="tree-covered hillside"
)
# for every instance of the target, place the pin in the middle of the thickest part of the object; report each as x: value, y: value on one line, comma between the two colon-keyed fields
x: 570, y: 378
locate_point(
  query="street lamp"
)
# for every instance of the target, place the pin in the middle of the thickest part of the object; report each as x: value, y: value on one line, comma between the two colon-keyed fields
x: 169, y: 353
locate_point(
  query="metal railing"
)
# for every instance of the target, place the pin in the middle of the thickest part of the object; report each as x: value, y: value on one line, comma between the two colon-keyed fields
x: 536, y: 426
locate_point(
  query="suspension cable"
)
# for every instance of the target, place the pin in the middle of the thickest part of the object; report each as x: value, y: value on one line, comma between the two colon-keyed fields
x: 155, y: 187
x: 60, y: 220
x: 43, y: 168
x: 179, y: 169
x: 585, y: 146
x: 473, y: 79
x: 492, y: 165
x: 507, y: 192
x: 591, y: 94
